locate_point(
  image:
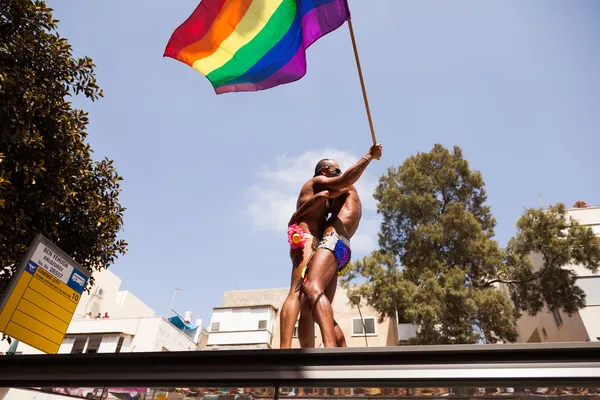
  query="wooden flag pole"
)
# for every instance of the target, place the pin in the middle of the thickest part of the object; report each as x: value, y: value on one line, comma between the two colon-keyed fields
x: 362, y: 80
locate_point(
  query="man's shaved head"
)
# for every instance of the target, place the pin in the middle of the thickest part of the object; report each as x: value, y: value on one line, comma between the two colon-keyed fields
x: 326, y: 162
x: 328, y: 167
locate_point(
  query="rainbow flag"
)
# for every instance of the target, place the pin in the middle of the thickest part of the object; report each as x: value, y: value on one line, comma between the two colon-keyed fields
x: 250, y: 45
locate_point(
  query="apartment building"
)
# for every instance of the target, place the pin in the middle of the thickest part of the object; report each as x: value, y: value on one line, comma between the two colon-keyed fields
x: 249, y: 319
x: 556, y: 326
x: 109, y: 320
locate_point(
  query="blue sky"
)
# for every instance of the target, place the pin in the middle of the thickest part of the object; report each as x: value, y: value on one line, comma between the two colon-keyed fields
x: 211, y: 180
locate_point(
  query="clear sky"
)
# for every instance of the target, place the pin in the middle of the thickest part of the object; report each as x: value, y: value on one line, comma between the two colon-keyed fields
x: 210, y: 181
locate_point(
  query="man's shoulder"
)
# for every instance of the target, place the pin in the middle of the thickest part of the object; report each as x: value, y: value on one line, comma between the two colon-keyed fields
x: 310, y: 184
x: 319, y: 180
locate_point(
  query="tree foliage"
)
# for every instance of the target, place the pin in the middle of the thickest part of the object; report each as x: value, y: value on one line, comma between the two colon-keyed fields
x: 438, y: 266
x: 49, y: 183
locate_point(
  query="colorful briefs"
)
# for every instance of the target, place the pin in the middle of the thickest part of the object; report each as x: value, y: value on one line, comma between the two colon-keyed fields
x: 340, y: 247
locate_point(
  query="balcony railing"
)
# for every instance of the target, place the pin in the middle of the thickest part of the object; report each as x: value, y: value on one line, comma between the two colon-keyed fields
x: 237, y: 338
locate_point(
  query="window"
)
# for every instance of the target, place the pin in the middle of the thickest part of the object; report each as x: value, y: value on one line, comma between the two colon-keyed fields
x: 591, y: 287
x: 369, y: 326
x: 557, y: 318
x: 120, y: 344
x: 262, y: 325
x: 79, y: 344
x: 94, y: 344
x: 215, y: 327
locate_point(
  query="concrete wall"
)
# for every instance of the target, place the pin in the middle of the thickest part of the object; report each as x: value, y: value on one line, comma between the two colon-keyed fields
x: 591, y: 319
x: 544, y: 326
x: 118, y: 304
x: 169, y: 338
x: 203, y: 339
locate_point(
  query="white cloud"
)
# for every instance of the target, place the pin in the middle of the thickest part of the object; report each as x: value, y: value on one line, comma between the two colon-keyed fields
x: 272, y: 199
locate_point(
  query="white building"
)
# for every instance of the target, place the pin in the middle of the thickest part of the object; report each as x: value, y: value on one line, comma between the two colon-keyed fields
x: 131, y: 325
x: 584, y: 325
x: 250, y: 319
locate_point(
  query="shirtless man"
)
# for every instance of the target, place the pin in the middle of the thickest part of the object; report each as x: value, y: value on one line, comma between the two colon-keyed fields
x: 328, y: 177
x: 329, y: 261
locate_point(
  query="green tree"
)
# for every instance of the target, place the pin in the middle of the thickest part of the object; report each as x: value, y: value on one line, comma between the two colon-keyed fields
x: 49, y: 183
x: 439, y: 267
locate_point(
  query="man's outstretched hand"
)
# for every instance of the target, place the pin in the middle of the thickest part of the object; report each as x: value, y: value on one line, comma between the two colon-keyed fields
x: 375, y: 151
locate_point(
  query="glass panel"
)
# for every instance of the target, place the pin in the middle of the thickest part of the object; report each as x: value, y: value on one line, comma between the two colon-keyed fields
x: 357, y: 327
x: 557, y: 318
x: 591, y: 287
x: 370, y: 325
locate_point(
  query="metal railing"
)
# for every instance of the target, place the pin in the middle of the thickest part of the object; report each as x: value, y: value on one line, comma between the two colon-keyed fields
x: 525, y: 365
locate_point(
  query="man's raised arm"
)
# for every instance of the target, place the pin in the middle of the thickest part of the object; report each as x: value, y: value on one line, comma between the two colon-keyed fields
x: 351, y: 175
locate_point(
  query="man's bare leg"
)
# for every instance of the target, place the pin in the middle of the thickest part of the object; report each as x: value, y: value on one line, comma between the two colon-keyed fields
x: 306, y: 326
x: 340, y: 340
x: 320, y: 274
x: 291, y: 305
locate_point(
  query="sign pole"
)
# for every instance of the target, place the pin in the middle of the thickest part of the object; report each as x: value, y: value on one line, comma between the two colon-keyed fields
x: 362, y: 80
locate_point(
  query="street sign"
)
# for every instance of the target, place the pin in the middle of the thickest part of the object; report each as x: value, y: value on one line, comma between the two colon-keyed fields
x: 42, y: 296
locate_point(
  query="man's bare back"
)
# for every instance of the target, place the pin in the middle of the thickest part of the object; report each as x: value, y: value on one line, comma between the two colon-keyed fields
x: 313, y: 222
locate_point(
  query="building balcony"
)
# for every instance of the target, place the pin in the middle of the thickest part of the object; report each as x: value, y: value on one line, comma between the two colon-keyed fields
x: 127, y: 335
x: 260, y: 339
x: 108, y: 325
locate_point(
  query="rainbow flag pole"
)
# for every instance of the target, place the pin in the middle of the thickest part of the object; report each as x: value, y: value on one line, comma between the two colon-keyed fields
x: 251, y: 45
x: 362, y: 80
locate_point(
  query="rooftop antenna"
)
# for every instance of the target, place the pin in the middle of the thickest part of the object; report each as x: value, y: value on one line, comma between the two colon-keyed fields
x: 173, y: 300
